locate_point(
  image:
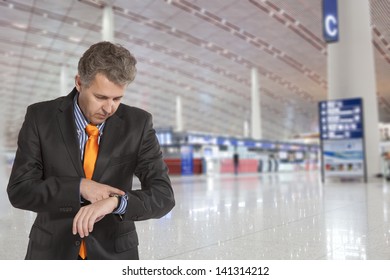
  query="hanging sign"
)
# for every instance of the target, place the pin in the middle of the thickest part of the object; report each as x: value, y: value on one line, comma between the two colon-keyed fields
x: 330, y: 21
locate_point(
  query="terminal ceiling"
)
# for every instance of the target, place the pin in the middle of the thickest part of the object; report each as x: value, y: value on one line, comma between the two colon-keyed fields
x: 200, y: 50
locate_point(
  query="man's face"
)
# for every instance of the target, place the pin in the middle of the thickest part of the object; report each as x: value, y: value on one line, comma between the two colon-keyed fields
x: 100, y: 100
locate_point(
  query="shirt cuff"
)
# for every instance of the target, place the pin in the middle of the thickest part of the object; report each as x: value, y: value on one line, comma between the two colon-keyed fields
x: 121, y: 209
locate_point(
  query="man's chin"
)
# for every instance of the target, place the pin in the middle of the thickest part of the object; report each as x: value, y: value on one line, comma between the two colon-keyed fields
x: 99, y: 119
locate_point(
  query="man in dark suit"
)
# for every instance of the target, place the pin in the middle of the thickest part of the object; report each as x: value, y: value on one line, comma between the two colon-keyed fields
x: 76, y: 213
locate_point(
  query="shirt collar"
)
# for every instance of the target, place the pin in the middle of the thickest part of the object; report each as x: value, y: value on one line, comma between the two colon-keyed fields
x: 81, y: 121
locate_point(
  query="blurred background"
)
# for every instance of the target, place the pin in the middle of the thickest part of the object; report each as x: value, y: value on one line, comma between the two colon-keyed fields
x: 195, y: 61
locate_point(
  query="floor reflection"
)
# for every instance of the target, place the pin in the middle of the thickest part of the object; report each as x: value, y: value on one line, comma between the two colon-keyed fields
x: 253, y: 216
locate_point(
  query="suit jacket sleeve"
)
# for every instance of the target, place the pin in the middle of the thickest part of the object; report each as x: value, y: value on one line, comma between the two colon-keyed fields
x: 155, y: 199
x: 29, y: 188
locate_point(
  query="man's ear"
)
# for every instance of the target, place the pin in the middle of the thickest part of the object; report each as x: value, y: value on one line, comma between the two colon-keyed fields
x: 77, y: 82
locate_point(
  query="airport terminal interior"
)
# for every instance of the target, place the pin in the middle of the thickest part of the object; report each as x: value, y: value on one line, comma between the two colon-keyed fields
x: 263, y: 164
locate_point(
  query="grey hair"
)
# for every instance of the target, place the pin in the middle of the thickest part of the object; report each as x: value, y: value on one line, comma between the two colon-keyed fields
x: 112, y: 60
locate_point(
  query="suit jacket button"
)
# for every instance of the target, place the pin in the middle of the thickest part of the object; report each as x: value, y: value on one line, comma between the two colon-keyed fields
x: 77, y: 243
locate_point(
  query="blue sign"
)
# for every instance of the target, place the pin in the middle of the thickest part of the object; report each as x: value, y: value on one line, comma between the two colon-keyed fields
x: 268, y: 145
x: 187, y: 160
x: 341, y: 119
x: 330, y: 21
x: 342, y: 138
x: 227, y: 141
x: 201, y: 139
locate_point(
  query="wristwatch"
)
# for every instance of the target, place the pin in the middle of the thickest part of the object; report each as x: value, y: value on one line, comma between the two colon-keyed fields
x: 120, y: 199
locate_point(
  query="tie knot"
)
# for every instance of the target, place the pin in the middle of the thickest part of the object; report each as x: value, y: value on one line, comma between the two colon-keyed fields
x: 92, y: 130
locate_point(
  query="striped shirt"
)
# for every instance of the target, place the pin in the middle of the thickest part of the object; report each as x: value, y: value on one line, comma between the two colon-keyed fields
x: 81, y: 123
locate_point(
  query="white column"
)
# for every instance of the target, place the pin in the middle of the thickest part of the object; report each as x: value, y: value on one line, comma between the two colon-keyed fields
x: 351, y: 71
x: 108, y: 24
x: 255, y: 105
x: 179, y: 114
x: 246, y: 129
x: 64, y: 90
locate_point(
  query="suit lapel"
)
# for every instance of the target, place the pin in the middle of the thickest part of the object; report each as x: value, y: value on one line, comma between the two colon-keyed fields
x: 68, y: 130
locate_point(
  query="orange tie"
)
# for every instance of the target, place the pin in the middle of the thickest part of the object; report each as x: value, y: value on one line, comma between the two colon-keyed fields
x: 90, y: 155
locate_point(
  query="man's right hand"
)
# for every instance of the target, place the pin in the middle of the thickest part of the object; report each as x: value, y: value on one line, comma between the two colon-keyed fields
x: 90, y: 214
x: 94, y: 191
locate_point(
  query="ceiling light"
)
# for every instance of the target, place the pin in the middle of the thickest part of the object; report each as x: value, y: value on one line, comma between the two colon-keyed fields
x: 20, y: 25
x: 74, y: 39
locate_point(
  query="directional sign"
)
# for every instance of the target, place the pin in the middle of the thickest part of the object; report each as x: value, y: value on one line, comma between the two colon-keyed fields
x: 341, y: 119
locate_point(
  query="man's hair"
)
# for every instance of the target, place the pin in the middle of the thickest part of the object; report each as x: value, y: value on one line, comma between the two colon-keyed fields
x: 112, y: 60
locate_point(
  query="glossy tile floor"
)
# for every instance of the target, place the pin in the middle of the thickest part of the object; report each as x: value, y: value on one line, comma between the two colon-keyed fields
x: 252, y: 216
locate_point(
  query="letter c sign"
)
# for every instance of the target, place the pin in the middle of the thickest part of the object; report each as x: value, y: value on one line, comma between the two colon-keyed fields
x: 330, y: 20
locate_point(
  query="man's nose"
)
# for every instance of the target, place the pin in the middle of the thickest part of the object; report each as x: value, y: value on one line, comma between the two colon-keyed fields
x: 108, y: 106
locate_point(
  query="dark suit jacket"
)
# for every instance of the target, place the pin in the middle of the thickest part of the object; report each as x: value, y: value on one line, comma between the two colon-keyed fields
x: 47, y: 171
